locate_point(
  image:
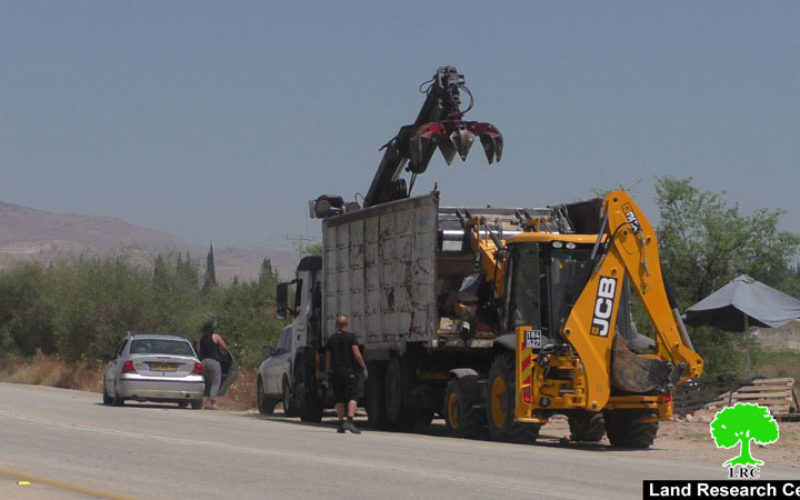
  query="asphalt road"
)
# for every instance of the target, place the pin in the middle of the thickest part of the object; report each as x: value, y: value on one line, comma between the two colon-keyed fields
x: 57, y: 443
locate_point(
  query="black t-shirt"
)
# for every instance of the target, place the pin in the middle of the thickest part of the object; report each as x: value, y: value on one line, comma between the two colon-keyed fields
x: 340, y: 346
x: 208, y: 348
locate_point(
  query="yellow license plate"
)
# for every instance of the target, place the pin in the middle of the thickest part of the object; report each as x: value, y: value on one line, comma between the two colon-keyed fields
x: 159, y: 367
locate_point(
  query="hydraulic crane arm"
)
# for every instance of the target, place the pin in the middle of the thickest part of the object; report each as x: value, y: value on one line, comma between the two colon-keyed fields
x: 438, y: 124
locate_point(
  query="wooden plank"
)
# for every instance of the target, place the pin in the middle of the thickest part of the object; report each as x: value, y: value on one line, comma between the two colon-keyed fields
x: 760, y: 381
x: 771, y: 394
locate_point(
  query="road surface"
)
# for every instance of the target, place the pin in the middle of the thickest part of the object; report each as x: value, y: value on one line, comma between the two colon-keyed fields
x: 57, y: 443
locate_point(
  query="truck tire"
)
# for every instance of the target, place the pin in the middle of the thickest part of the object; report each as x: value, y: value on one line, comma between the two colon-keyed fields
x: 311, y: 411
x: 462, y: 418
x: 374, y: 400
x: 626, y: 430
x: 586, y: 426
x: 500, y: 406
x: 393, y: 393
x: 266, y: 405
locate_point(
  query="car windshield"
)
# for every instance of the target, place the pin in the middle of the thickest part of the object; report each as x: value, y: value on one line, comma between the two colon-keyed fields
x: 161, y: 346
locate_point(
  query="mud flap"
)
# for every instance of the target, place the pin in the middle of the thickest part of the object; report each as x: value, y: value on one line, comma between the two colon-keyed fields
x: 633, y: 373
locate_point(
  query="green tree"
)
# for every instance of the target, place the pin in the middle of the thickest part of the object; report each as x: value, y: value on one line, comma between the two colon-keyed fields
x: 704, y: 243
x: 741, y: 424
x: 210, y: 280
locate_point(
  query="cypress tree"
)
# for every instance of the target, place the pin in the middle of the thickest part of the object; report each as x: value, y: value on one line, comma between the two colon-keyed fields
x: 211, y: 275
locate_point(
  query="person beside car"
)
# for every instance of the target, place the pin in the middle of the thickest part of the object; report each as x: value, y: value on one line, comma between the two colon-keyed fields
x: 342, y: 358
x: 208, y: 348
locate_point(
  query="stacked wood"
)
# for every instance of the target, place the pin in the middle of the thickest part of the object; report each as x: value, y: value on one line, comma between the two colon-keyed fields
x: 777, y: 394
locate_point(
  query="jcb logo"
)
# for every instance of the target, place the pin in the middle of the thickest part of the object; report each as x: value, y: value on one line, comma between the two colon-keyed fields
x: 630, y: 215
x: 603, y: 306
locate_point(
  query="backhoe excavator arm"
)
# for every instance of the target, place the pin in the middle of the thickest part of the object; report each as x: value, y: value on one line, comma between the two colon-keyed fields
x: 628, y: 248
x: 438, y: 124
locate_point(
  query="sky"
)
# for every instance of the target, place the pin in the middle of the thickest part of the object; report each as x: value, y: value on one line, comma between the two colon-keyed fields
x: 218, y: 121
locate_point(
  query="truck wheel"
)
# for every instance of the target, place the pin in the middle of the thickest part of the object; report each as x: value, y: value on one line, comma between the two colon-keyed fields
x: 393, y: 391
x: 462, y: 419
x: 376, y: 409
x: 626, y: 430
x: 500, y: 407
x: 266, y: 405
x: 312, y: 409
x: 586, y: 426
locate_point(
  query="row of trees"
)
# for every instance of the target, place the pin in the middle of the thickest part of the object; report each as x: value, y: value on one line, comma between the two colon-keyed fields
x: 80, y: 308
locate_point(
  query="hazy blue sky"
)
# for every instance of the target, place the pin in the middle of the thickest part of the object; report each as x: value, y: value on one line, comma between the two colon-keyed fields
x: 219, y: 120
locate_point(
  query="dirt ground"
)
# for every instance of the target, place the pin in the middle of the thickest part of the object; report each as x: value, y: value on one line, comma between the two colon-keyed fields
x: 691, y: 439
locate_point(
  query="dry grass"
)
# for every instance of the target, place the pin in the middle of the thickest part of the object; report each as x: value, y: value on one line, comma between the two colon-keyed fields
x: 88, y: 376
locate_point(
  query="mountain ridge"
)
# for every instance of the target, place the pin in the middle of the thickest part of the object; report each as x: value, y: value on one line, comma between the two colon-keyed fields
x: 28, y: 234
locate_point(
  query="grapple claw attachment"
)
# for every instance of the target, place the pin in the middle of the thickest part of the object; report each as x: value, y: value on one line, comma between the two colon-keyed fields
x: 462, y: 139
x: 492, y: 146
x: 448, y: 151
x: 451, y: 137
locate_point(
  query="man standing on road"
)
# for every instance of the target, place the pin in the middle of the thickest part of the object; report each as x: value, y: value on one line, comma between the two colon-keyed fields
x: 208, y: 350
x: 342, y: 358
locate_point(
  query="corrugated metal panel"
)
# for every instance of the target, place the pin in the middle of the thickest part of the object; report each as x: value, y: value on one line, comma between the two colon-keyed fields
x: 380, y: 266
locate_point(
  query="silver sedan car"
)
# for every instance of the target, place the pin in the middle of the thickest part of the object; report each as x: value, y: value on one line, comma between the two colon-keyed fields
x: 154, y: 367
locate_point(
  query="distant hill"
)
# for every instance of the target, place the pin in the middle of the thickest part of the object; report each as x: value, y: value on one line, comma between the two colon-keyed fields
x: 34, y: 235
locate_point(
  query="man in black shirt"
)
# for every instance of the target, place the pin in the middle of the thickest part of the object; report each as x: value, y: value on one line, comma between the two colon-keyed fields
x: 342, y: 358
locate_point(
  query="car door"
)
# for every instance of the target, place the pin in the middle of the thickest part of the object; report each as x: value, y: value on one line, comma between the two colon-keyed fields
x: 113, y: 369
x: 275, y: 365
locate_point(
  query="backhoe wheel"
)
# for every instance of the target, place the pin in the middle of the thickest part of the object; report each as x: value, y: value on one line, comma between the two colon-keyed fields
x: 374, y: 400
x: 462, y: 419
x: 586, y: 426
x: 626, y: 430
x: 500, y: 407
x: 266, y: 405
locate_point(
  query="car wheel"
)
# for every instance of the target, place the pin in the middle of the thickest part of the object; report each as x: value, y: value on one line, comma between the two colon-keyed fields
x: 107, y: 400
x: 197, y: 404
x: 117, y: 400
x: 266, y: 405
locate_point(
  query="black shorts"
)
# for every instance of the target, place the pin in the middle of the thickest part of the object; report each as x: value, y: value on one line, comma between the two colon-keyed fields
x: 344, y: 385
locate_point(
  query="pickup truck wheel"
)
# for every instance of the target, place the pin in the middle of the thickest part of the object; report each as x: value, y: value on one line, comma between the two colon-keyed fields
x: 626, y: 430
x: 586, y: 426
x: 289, y: 407
x: 266, y: 405
x: 500, y: 407
x: 462, y: 419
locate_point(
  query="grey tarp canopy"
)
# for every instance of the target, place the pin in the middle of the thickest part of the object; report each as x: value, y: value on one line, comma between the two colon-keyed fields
x: 742, y: 303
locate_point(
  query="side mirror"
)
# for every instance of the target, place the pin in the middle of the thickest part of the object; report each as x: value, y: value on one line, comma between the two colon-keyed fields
x: 282, y: 301
x: 266, y: 351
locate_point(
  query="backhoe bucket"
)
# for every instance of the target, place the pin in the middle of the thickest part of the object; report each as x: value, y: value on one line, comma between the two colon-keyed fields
x: 633, y: 373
